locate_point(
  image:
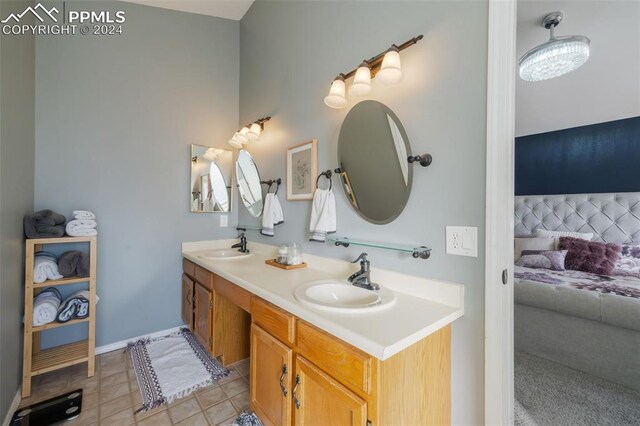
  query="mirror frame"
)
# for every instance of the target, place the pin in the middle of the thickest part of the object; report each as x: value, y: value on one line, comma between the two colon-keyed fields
x: 344, y: 179
x: 229, y: 184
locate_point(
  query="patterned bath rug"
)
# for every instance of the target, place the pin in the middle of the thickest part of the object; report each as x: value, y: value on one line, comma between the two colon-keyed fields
x: 247, y: 418
x: 172, y: 367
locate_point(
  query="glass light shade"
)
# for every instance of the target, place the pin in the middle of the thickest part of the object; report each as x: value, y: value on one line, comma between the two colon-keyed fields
x: 361, y: 85
x: 554, y: 58
x: 336, y: 98
x: 244, y: 132
x: 239, y: 137
x: 210, y: 154
x: 254, y: 132
x: 235, y: 143
x: 391, y: 69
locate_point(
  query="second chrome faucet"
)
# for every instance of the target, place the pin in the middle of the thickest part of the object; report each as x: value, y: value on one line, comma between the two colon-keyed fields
x: 362, y: 278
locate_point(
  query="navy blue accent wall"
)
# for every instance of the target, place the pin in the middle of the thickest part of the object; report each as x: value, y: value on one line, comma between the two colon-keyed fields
x: 603, y: 157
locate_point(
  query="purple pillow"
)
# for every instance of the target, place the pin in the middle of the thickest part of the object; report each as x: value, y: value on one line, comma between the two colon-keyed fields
x: 541, y: 259
x: 589, y: 256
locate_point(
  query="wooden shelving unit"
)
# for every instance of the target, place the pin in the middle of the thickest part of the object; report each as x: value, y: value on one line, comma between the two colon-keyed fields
x: 36, y: 361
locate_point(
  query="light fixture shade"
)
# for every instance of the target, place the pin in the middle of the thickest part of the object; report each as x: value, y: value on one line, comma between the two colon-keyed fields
x: 391, y: 68
x: 235, y: 143
x: 239, y: 137
x: 254, y: 132
x: 554, y: 58
x: 244, y: 132
x: 336, y: 97
x: 210, y: 154
x: 361, y: 85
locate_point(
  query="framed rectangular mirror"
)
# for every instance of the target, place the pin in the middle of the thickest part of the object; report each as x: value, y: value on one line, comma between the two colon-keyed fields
x: 211, y: 180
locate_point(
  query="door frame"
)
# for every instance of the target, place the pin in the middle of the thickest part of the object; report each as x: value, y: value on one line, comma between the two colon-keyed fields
x: 501, y: 74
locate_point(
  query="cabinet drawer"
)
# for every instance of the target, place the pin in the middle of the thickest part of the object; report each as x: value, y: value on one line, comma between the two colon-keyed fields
x: 344, y: 362
x: 188, y: 267
x: 275, y: 321
x: 204, y: 277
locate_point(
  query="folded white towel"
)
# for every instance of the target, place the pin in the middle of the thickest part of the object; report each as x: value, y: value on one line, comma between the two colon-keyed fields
x: 84, y: 214
x: 82, y: 228
x: 271, y: 214
x: 323, y: 215
x: 45, y: 306
x: 45, y: 268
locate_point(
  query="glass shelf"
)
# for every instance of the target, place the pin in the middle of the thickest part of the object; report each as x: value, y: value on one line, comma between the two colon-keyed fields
x: 248, y: 228
x: 417, y: 252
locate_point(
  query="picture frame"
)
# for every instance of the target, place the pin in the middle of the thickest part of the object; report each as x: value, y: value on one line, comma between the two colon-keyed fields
x: 302, y: 168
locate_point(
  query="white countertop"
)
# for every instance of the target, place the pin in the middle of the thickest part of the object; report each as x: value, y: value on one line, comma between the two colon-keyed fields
x: 422, y: 305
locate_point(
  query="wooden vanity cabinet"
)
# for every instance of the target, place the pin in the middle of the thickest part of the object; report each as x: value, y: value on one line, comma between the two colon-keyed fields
x: 203, y: 313
x: 187, y: 300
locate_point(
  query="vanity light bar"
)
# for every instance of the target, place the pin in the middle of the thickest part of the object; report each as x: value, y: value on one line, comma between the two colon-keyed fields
x: 385, y: 66
x: 250, y: 132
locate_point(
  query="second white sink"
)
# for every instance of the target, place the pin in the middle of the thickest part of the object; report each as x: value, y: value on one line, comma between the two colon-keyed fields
x: 223, y: 254
x: 341, y: 296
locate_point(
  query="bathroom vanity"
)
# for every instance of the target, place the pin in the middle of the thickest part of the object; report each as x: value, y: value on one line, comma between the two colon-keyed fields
x: 317, y: 365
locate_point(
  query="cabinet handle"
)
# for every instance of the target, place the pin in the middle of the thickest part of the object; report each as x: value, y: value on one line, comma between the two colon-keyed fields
x: 190, y: 302
x: 284, y: 373
x: 295, y: 397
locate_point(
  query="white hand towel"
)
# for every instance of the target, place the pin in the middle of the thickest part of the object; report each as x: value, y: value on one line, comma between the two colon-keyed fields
x: 84, y: 214
x: 323, y: 215
x: 45, y: 268
x: 272, y: 214
x: 45, y: 307
x: 82, y: 228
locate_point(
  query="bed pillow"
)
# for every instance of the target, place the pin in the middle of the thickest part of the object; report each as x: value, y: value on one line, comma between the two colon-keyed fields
x: 589, y: 256
x: 540, y: 259
x: 629, y: 262
x: 558, y: 234
x: 544, y: 244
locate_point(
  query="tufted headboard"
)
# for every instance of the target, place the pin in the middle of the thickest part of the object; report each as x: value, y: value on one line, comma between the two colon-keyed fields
x: 612, y: 217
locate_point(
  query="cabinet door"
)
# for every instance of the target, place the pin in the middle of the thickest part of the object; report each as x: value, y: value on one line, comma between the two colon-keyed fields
x: 203, y: 311
x: 187, y: 301
x: 271, y: 371
x: 321, y: 400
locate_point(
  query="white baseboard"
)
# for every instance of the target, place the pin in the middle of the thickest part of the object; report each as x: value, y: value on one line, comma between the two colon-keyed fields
x: 13, y: 407
x: 123, y: 343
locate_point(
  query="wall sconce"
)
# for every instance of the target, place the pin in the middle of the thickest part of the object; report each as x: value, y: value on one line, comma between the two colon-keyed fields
x: 386, y: 67
x: 250, y: 132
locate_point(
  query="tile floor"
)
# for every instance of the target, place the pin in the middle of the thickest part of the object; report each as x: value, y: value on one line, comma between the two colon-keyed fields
x: 112, y: 396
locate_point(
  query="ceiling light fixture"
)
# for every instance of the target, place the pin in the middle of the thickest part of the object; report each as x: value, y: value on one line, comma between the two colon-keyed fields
x: 250, y: 132
x: 384, y: 66
x: 556, y: 57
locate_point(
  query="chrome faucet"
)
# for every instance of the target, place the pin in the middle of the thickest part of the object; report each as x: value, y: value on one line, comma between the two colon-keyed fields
x: 242, y: 245
x: 362, y: 278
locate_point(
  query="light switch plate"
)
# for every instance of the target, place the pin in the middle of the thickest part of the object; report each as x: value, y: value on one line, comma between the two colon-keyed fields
x: 224, y: 220
x: 462, y: 240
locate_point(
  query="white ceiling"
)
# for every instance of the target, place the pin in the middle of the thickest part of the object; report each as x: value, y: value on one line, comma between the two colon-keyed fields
x: 229, y: 9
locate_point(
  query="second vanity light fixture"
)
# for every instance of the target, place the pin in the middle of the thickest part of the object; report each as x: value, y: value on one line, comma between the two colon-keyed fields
x: 250, y: 132
x: 385, y: 67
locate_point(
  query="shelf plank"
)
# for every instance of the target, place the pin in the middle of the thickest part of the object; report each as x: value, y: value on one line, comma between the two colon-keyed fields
x: 63, y: 281
x: 51, y: 325
x: 59, y: 357
x: 61, y: 240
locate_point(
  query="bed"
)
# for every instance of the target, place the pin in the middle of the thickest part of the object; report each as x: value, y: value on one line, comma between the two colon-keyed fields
x: 585, y: 321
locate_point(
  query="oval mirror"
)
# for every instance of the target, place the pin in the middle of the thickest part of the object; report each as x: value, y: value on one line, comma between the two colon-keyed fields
x: 249, y: 183
x: 372, y: 151
x: 211, y: 174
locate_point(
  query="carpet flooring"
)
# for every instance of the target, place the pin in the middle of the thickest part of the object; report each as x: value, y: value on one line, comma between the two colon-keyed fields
x: 548, y: 393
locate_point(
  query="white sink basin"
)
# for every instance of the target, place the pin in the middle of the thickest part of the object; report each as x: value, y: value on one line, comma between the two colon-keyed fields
x: 341, y: 296
x: 224, y: 254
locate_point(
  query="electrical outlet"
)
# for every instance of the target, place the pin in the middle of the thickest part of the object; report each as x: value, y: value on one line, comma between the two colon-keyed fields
x: 462, y: 240
x: 224, y: 221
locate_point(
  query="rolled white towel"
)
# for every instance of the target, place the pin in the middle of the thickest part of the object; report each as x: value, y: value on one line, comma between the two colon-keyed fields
x: 84, y: 215
x: 45, y: 306
x: 45, y: 268
x: 82, y: 228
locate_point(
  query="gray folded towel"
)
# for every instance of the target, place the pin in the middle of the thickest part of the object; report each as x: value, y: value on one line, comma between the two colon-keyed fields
x: 44, y: 224
x: 74, y: 263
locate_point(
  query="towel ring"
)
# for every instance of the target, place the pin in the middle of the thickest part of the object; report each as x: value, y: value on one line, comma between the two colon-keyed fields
x: 327, y: 174
x: 270, y: 183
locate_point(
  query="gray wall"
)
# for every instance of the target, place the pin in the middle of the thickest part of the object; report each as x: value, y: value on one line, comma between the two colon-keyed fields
x: 115, y: 117
x: 605, y: 88
x: 290, y: 52
x: 17, y: 151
